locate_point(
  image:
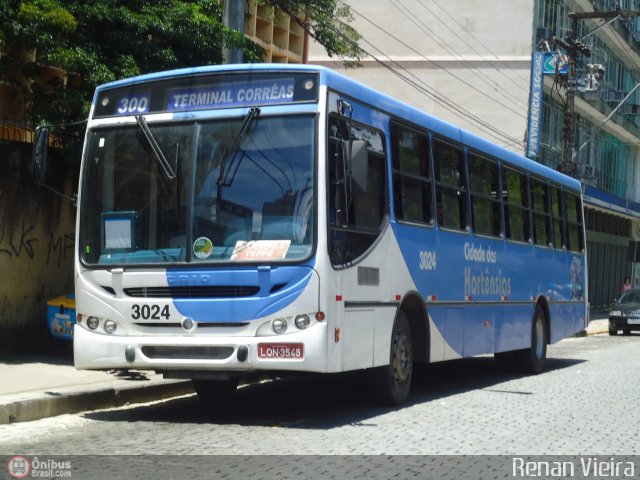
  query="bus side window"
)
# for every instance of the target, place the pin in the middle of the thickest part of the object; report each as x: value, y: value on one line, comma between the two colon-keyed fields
x: 557, y: 222
x: 451, y: 189
x: 541, y: 212
x: 485, y: 202
x: 516, y: 205
x: 411, y: 175
x: 574, y: 222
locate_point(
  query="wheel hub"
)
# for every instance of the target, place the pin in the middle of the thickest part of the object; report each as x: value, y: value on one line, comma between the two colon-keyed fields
x: 401, y: 358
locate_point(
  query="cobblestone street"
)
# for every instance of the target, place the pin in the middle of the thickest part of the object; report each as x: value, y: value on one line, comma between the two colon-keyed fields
x: 469, y: 407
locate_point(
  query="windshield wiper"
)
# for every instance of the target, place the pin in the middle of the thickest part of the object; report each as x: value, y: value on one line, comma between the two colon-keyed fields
x: 223, y: 174
x: 167, y: 169
x: 224, y: 171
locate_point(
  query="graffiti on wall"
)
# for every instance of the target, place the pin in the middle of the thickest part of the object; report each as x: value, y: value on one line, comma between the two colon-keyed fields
x: 60, y: 247
x: 18, y: 240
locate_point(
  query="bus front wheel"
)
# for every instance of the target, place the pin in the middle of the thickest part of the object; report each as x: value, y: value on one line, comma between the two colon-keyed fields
x: 391, y: 384
x: 532, y: 359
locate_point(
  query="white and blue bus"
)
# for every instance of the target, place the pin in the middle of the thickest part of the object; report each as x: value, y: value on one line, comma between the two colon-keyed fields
x: 248, y: 219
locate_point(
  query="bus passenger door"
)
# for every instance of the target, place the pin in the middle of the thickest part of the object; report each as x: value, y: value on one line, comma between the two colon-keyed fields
x: 358, y: 218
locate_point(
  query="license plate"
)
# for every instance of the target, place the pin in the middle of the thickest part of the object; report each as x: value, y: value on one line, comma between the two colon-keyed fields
x: 633, y: 321
x: 284, y: 351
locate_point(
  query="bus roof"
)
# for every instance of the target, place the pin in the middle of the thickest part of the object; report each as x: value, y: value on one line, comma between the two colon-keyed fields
x: 394, y: 107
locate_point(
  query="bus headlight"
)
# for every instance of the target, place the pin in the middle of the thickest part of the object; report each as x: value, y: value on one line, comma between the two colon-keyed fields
x: 93, y: 322
x: 303, y: 321
x: 279, y: 325
x: 110, y: 326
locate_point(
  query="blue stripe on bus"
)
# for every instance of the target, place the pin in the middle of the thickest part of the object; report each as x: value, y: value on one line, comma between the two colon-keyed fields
x: 277, y: 286
x: 483, y: 269
x: 462, y: 269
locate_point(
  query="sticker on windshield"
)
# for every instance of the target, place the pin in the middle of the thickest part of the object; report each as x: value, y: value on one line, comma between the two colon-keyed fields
x: 257, y: 250
x: 202, y: 247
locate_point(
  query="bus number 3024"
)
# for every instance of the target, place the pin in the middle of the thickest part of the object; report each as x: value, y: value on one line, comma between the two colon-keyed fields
x: 149, y: 312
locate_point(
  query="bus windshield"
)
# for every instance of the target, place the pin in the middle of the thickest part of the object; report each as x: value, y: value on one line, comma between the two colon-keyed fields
x: 238, y: 194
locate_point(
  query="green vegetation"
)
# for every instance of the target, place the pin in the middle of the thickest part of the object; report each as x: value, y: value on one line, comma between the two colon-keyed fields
x: 105, y: 40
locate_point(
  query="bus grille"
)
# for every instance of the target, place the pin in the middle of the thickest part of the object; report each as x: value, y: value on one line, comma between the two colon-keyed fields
x: 206, y: 291
x: 187, y: 352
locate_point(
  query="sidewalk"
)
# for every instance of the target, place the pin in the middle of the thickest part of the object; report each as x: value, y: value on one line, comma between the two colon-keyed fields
x: 39, y: 386
x: 598, y: 322
x: 34, y: 387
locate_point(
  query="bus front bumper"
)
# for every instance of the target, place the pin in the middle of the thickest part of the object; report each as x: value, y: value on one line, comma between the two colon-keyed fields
x: 302, y: 351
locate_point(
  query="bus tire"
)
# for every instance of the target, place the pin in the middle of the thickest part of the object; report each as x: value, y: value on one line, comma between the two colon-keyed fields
x: 216, y: 392
x: 391, y: 383
x: 532, y: 359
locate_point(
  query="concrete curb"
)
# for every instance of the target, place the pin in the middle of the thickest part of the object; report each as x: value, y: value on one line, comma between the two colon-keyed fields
x: 52, y: 403
x: 597, y: 332
x: 592, y: 330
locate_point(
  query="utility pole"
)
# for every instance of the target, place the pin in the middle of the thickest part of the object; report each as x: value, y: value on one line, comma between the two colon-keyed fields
x: 233, y: 17
x: 575, y: 46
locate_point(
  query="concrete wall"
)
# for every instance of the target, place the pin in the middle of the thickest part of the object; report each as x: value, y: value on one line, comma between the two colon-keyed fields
x: 474, y: 54
x: 37, y: 237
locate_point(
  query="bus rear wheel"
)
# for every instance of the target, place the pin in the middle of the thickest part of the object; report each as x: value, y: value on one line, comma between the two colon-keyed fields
x: 216, y: 392
x: 532, y: 359
x: 391, y: 384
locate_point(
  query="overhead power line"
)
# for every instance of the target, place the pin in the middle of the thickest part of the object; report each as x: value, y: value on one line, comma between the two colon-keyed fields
x: 442, y: 100
x: 445, y: 45
x: 437, y: 64
x: 517, y: 82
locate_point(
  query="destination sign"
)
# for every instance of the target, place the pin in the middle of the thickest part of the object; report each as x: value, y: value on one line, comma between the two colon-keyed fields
x: 231, y: 95
x: 205, y: 92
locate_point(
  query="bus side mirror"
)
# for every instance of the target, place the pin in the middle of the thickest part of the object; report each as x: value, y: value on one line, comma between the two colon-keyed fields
x: 359, y: 166
x: 40, y: 153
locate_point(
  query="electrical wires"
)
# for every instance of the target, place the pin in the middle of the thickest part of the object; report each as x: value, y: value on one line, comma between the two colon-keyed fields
x: 423, y: 88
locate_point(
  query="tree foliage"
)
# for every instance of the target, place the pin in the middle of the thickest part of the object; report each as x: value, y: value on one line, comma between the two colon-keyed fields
x: 100, y: 41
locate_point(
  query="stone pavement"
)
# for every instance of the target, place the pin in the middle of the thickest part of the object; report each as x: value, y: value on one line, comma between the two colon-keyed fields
x: 33, y: 387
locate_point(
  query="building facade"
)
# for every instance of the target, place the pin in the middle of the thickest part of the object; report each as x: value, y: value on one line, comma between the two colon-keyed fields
x: 604, y: 129
x: 281, y: 36
x: 466, y: 62
x: 471, y: 62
